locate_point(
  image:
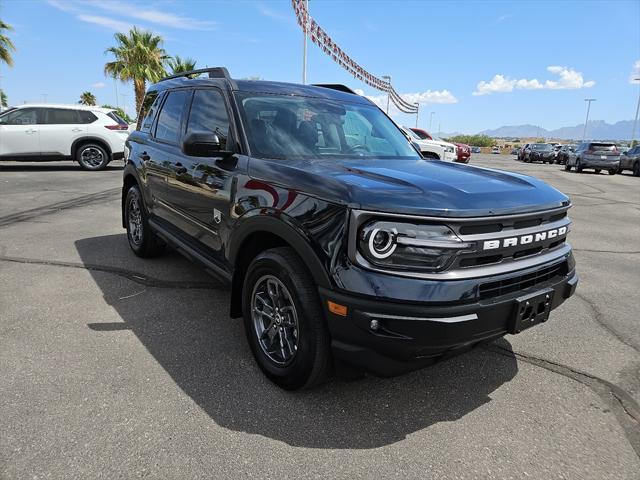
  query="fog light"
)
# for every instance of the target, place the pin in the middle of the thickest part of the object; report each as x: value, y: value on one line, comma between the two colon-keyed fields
x: 374, y: 325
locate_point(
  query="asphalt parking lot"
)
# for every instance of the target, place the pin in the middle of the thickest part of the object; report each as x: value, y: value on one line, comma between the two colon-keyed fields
x: 116, y: 367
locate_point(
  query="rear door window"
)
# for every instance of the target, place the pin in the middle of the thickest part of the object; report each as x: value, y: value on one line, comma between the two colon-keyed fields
x: 170, y: 117
x: 61, y: 116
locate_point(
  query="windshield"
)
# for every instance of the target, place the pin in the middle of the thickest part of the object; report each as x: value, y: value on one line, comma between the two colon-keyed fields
x: 541, y: 147
x: 421, y: 135
x: 295, y: 127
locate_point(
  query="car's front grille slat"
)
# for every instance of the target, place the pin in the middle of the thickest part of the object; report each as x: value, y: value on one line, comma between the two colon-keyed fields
x: 521, y: 282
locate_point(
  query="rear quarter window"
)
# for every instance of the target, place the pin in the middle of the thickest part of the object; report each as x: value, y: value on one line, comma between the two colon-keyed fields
x: 86, y: 116
x: 148, y: 111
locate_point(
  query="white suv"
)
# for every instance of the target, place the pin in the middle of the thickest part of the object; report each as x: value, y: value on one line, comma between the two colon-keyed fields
x: 92, y: 136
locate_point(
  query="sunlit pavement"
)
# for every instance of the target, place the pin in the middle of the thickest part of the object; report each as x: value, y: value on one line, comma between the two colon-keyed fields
x: 115, y: 367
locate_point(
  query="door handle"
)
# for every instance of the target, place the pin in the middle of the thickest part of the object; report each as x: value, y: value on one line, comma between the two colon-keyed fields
x: 76, y: 129
x: 180, y: 169
x: 144, y: 157
x: 31, y: 131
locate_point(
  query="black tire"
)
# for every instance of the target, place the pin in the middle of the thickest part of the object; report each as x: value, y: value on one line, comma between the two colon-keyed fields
x: 578, y: 166
x: 613, y: 171
x: 598, y: 170
x: 636, y: 169
x: 567, y: 167
x: 92, y: 156
x: 309, y: 362
x: 142, y: 239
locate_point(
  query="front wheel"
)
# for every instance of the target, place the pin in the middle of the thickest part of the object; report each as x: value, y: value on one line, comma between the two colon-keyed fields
x: 598, y: 170
x: 578, y: 166
x: 613, y: 171
x: 636, y: 169
x: 142, y: 239
x: 567, y: 167
x: 284, y: 321
x: 92, y: 156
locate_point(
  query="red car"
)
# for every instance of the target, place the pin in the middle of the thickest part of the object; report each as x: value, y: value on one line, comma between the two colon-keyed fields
x: 463, y: 151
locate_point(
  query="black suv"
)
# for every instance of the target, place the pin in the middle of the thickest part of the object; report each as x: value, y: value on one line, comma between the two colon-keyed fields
x: 341, y: 244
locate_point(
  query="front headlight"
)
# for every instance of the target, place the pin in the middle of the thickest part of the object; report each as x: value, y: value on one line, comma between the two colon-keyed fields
x: 409, y: 246
x: 449, y: 149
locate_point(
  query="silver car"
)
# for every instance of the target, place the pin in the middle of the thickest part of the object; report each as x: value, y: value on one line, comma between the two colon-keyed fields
x: 597, y: 155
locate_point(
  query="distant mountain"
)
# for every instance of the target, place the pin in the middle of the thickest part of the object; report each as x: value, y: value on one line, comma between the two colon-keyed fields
x: 596, y: 130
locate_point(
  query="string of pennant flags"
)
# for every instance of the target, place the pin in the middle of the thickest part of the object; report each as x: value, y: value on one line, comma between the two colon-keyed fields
x: 322, y: 39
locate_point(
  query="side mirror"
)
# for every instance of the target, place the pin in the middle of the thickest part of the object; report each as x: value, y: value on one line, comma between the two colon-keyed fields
x: 202, y: 144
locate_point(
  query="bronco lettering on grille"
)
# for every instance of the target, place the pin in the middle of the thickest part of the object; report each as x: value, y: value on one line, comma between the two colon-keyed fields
x: 523, y: 239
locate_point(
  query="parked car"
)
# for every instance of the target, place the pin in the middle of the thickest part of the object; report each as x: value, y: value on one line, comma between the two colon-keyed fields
x: 539, y: 152
x: 463, y: 152
x: 597, y: 155
x: 427, y: 148
x: 449, y: 148
x: 340, y: 244
x: 476, y: 150
x: 92, y: 136
x: 515, y: 151
x: 631, y: 161
x: 495, y: 149
x: 563, y: 153
x: 522, y: 151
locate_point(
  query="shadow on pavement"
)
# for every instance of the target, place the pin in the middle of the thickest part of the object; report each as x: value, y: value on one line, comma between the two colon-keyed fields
x: 52, y: 167
x: 191, y: 336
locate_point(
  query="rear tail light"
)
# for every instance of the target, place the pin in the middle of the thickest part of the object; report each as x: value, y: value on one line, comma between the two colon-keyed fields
x: 117, y: 127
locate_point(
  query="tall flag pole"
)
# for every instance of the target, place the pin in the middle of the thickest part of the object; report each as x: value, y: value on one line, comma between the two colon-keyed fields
x: 318, y: 36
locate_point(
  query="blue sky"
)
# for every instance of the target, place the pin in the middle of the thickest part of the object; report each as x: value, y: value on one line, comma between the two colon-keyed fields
x: 548, y: 55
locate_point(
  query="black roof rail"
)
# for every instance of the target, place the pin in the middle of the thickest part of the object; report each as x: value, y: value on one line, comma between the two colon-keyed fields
x: 335, y: 86
x: 214, y: 72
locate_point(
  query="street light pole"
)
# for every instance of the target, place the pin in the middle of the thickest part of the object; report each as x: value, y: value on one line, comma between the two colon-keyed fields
x: 635, y: 122
x: 417, y: 104
x: 388, y: 79
x: 588, y: 100
x: 430, y: 119
x: 304, y: 48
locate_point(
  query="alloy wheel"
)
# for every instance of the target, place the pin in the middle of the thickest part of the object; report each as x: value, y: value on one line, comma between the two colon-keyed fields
x: 92, y: 157
x: 135, y: 220
x: 275, y: 320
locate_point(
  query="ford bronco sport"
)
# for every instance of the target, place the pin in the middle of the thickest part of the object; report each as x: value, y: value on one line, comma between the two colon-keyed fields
x: 341, y: 244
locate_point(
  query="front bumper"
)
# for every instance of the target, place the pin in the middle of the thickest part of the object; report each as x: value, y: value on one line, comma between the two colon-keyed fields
x: 409, y: 336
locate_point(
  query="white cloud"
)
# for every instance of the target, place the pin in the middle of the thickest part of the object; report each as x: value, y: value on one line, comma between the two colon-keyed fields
x: 502, y: 18
x: 430, y: 96
x: 106, y: 22
x: 635, y: 73
x: 99, y: 85
x: 569, y: 79
x: 151, y: 15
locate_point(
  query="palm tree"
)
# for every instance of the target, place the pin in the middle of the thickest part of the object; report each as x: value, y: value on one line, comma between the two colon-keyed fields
x: 138, y: 57
x: 179, y: 65
x: 87, y: 98
x: 4, y: 102
x: 6, y: 45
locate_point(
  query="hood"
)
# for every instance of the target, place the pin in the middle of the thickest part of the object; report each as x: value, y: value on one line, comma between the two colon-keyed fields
x: 420, y: 187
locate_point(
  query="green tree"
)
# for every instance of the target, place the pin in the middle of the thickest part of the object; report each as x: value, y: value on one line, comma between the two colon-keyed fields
x: 180, y: 65
x: 6, y: 45
x: 475, y: 140
x: 138, y: 57
x: 4, y: 102
x: 88, y: 98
